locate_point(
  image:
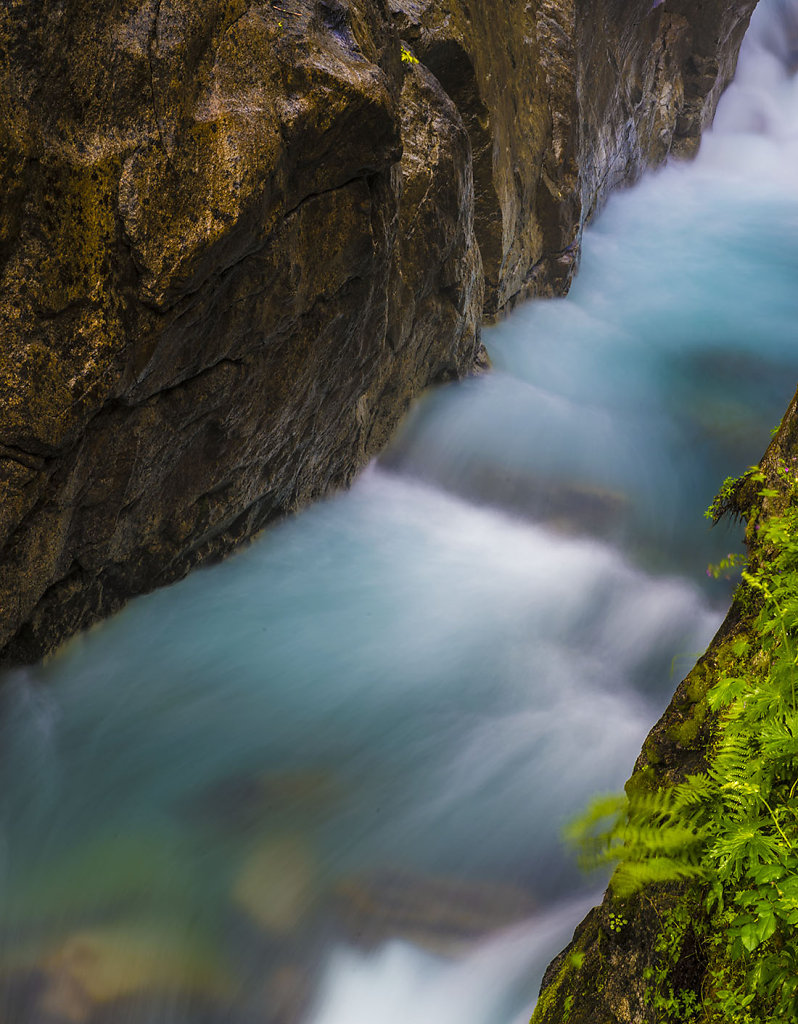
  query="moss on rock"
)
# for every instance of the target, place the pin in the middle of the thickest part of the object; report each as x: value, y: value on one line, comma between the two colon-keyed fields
x: 675, y: 959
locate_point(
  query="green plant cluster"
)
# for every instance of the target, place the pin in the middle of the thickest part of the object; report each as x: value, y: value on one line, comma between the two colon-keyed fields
x: 732, y: 829
x: 736, y: 496
x: 723, y: 500
x: 671, y: 1002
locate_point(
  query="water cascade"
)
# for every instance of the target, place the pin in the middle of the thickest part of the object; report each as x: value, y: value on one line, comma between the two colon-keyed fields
x: 324, y: 782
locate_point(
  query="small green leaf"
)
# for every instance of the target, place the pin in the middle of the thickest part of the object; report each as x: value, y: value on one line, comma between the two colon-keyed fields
x: 749, y: 936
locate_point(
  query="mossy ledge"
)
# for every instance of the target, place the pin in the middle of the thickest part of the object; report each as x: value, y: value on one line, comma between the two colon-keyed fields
x: 663, y: 963
x: 237, y: 237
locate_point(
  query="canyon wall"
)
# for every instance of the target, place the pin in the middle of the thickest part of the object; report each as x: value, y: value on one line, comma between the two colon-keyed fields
x: 237, y: 237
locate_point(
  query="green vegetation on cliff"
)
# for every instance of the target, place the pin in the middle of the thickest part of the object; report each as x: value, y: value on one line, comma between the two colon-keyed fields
x: 730, y: 829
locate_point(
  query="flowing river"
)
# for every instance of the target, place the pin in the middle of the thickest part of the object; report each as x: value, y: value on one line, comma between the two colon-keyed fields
x: 325, y: 781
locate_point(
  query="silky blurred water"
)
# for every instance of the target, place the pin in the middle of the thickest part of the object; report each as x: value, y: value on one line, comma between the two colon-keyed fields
x: 324, y: 782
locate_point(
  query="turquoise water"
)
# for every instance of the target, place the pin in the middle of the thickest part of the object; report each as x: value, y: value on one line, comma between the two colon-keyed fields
x: 324, y: 781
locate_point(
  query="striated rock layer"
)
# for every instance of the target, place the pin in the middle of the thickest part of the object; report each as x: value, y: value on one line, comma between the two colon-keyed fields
x: 236, y: 237
x: 565, y: 100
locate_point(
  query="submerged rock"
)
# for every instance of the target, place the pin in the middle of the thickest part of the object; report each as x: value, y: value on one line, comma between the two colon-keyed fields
x: 276, y: 884
x: 567, y: 506
x: 106, y: 874
x: 440, y: 914
x: 99, y: 966
x: 250, y: 801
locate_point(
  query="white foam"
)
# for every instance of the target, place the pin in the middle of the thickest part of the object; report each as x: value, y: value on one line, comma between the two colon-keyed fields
x: 400, y: 984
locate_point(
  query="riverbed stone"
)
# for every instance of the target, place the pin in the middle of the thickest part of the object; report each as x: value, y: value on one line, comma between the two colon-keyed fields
x: 444, y: 915
x: 248, y: 801
x: 100, y: 965
x: 276, y: 885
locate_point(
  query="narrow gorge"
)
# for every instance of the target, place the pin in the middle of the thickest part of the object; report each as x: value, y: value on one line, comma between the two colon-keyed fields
x: 325, y: 780
x: 237, y: 237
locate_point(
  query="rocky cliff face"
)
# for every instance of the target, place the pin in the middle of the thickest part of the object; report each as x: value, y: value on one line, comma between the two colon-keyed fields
x: 236, y: 237
x: 565, y: 101
x: 222, y: 281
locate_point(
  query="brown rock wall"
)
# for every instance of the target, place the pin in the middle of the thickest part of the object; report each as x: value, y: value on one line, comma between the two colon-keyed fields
x: 197, y: 286
x: 237, y: 236
x: 598, y: 91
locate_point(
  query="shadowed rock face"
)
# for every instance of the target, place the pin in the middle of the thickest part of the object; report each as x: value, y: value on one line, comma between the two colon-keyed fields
x: 237, y: 237
x: 565, y: 101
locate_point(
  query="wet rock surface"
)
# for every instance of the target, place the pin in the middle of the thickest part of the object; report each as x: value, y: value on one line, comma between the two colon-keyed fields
x: 198, y: 279
x: 564, y: 102
x: 237, y: 237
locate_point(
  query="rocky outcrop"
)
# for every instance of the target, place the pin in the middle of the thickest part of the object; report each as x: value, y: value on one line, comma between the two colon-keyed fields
x: 236, y: 237
x: 221, y: 284
x: 565, y: 101
x: 649, y: 84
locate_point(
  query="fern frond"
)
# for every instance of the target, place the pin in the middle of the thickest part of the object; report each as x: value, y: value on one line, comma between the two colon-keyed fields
x: 632, y: 876
x: 727, y: 690
x: 642, y: 841
x: 693, y: 792
x: 745, y: 847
